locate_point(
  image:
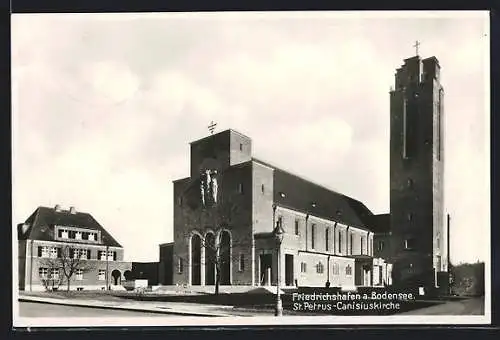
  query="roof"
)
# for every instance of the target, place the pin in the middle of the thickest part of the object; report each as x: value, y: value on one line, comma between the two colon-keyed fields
x: 300, y: 194
x: 41, y: 225
x: 381, y: 223
x: 223, y: 132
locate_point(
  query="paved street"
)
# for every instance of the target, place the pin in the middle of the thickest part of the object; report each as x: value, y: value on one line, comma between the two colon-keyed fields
x: 473, y: 306
x: 34, y: 309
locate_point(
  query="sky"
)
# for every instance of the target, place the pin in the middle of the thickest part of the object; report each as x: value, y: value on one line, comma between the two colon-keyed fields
x: 105, y: 105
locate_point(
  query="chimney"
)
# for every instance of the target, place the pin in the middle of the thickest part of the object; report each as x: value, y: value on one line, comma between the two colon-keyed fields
x: 57, y: 208
x: 72, y: 210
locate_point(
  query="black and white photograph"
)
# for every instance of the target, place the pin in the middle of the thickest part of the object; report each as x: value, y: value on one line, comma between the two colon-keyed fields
x: 251, y: 168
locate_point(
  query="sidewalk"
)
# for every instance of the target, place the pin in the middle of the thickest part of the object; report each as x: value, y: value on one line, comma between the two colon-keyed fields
x: 176, y: 308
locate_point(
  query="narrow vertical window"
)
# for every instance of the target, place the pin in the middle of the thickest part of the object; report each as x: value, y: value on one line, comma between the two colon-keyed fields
x: 351, y: 238
x: 180, y: 266
x: 241, y: 147
x: 405, y: 121
x: 313, y: 235
x: 362, y: 245
x: 296, y: 227
x: 242, y: 262
x: 438, y: 121
x: 262, y: 188
x: 327, y: 239
x: 340, y: 242
x: 240, y: 188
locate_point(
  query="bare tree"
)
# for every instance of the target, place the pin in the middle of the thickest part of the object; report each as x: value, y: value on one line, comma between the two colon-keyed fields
x: 51, y: 279
x: 68, y: 262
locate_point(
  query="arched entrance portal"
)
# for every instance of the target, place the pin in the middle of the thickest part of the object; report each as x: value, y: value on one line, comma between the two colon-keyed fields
x: 196, y: 260
x: 116, y: 277
x: 225, y: 257
x: 210, y: 259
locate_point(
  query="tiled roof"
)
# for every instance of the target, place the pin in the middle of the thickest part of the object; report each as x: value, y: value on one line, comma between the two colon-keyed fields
x: 299, y: 194
x: 40, y: 225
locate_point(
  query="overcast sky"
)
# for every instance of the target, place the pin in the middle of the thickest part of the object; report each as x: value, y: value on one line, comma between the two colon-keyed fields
x: 104, y: 107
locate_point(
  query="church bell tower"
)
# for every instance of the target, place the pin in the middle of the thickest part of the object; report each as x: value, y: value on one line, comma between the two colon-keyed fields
x: 419, y: 243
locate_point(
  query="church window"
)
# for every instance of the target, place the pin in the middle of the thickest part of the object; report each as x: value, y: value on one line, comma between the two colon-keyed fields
x: 180, y: 266
x: 262, y: 188
x: 409, y: 244
x: 313, y: 235
x: 362, y: 246
x: 438, y: 120
x: 320, y: 268
x: 242, y: 262
x: 313, y: 204
x: 351, y: 239
x: 296, y: 227
x: 241, y: 147
x: 410, y: 183
x: 282, y: 194
x: 179, y: 201
x: 240, y: 188
x: 303, y: 267
x: 327, y: 239
x: 410, y: 216
x: 380, y: 245
x: 340, y: 242
x: 336, y: 269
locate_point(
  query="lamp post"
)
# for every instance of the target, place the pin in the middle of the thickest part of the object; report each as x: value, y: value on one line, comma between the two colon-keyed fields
x: 278, y: 233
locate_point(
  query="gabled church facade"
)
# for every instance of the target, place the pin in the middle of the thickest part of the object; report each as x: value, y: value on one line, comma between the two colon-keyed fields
x: 226, y: 210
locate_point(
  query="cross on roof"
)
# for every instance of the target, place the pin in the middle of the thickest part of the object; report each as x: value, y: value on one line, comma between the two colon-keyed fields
x: 211, y: 127
x: 417, y: 44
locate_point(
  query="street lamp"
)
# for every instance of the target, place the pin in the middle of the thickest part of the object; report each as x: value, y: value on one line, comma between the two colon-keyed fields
x: 278, y: 233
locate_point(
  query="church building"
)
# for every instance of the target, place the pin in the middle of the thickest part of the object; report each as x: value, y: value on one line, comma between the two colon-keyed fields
x: 419, y: 238
x: 226, y: 210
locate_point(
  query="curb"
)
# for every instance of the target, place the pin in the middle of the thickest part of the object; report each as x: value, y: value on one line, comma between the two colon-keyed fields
x: 134, y: 309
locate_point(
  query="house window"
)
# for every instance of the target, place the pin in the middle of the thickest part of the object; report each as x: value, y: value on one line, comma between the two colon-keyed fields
x: 43, y: 272
x: 44, y: 251
x: 296, y: 227
x: 313, y: 235
x: 336, y: 269
x: 327, y: 239
x: 54, y: 252
x: 348, y: 270
x: 303, y: 267
x: 79, y: 274
x: 242, y: 262
x: 351, y: 239
x: 180, y: 266
x: 320, y: 268
x: 240, y: 188
x: 101, y: 254
x: 80, y: 253
x: 101, y: 276
x: 54, y: 273
x: 78, y: 235
x: 92, y: 237
x: 409, y: 243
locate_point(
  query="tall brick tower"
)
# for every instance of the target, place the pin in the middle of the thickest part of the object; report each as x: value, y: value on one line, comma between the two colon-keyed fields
x: 419, y: 242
